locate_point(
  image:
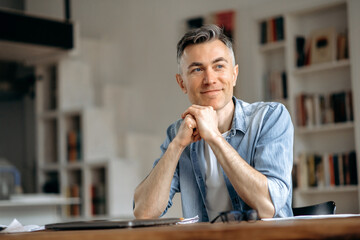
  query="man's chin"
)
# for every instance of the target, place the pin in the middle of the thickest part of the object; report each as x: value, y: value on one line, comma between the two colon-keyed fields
x: 214, y: 105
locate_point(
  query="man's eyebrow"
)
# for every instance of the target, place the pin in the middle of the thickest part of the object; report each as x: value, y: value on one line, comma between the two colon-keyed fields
x: 197, y: 64
x: 220, y: 59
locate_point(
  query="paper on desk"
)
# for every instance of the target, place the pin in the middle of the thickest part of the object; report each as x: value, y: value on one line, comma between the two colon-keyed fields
x: 189, y: 220
x: 15, y: 227
x: 312, y: 217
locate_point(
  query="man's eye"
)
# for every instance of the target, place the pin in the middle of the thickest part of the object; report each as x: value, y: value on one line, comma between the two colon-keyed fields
x: 196, y: 70
x: 219, y: 66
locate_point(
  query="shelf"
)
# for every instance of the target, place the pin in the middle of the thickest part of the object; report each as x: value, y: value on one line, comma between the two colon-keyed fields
x: 49, y: 114
x: 316, y: 93
x: 23, y: 39
x: 50, y: 167
x: 322, y: 67
x: 74, y: 165
x: 273, y: 46
x: 325, y: 128
x: 325, y: 190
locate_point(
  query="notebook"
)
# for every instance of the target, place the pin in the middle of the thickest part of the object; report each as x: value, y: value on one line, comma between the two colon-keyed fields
x: 108, y: 224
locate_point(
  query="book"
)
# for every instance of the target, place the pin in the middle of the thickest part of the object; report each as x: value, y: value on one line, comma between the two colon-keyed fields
x: 225, y: 20
x: 311, y: 170
x: 341, y: 169
x: 323, y: 46
x: 301, y: 113
x: 75, y: 191
x: 263, y: 32
x: 318, y: 109
x: 279, y: 26
x: 331, y: 170
x: 342, y: 46
x: 195, y: 22
x: 326, y: 169
x: 349, y: 106
x: 346, y: 169
x: 302, y: 171
x: 338, y: 101
x: 300, y: 51
x: 71, y: 146
x: 336, y: 169
x: 272, y: 30
x: 353, y: 168
x: 98, y: 199
x: 310, y: 110
x: 319, y: 171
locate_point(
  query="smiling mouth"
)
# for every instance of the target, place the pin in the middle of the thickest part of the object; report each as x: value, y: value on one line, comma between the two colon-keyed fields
x: 211, y: 91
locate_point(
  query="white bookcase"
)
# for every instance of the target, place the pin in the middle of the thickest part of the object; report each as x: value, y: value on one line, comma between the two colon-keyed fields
x: 76, y: 142
x: 328, y: 78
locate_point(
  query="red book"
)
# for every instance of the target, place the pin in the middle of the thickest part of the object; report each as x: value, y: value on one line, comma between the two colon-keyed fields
x: 75, y: 192
x: 72, y: 154
x: 226, y: 20
x: 274, y: 30
x: 347, y: 178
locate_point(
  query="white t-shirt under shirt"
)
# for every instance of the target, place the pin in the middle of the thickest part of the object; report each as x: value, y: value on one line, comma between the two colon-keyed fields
x: 217, y: 195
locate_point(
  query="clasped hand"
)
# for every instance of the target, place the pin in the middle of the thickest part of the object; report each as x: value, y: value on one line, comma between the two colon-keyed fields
x: 200, y: 122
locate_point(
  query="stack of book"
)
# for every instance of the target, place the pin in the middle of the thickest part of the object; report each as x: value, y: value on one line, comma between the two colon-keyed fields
x: 325, y: 170
x: 323, y: 45
x: 320, y: 109
x: 98, y: 199
x: 275, y: 86
x: 272, y: 30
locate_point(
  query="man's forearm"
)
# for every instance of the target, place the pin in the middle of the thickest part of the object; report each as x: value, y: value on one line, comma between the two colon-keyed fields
x: 151, y: 196
x: 250, y: 184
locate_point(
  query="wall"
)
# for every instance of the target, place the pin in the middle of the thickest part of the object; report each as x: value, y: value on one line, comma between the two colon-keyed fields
x: 137, y: 51
x: 146, y: 33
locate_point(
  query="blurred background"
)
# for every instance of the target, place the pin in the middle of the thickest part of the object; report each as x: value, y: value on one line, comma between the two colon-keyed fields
x: 88, y: 89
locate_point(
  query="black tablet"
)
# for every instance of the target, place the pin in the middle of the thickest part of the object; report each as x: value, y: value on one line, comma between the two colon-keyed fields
x: 108, y: 224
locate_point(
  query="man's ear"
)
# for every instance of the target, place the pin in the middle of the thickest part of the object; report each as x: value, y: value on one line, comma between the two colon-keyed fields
x: 235, y: 74
x: 180, y: 81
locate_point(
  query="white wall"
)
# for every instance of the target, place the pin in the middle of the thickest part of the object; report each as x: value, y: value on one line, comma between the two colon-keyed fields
x: 132, y: 43
x: 145, y: 33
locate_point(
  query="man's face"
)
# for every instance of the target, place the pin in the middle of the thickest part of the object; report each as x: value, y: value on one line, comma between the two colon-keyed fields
x: 208, y: 74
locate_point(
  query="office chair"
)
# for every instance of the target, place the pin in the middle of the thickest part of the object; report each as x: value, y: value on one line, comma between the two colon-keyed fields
x: 317, y: 209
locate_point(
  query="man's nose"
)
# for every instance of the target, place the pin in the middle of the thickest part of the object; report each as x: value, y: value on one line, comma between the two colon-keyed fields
x: 209, y: 76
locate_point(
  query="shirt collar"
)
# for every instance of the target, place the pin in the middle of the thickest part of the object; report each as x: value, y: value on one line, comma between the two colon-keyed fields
x: 239, y: 120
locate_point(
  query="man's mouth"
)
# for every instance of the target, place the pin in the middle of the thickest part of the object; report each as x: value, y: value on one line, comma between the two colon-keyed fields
x: 211, y: 91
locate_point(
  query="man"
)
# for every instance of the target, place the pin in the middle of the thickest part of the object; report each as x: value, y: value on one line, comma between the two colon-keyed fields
x: 223, y: 154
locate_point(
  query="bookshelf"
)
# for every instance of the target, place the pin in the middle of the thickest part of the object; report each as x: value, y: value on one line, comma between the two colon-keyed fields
x: 76, y: 144
x: 321, y: 93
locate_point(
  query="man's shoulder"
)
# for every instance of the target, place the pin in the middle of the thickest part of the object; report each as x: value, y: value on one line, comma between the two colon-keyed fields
x: 250, y: 109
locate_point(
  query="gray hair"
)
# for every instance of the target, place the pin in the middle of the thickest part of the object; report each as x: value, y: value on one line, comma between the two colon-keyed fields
x: 203, y: 34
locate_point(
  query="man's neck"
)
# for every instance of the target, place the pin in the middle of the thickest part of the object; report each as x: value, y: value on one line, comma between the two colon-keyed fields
x: 225, y: 117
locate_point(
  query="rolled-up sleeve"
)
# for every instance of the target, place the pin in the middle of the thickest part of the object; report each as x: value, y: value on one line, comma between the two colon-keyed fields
x: 274, y: 154
x: 175, y: 186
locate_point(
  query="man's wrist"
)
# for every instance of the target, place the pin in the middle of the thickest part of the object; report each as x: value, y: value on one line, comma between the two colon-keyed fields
x: 176, y: 145
x: 215, y: 139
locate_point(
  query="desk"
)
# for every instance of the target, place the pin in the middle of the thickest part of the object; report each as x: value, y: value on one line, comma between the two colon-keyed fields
x: 338, y: 228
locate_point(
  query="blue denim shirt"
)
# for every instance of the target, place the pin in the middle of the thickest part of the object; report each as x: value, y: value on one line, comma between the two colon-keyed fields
x: 262, y: 134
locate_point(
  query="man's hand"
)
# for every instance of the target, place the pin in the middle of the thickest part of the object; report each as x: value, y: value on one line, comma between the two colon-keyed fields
x: 188, y: 132
x: 206, y: 120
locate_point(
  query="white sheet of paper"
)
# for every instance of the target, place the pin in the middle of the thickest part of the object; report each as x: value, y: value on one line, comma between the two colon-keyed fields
x: 312, y: 217
x: 15, y: 227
